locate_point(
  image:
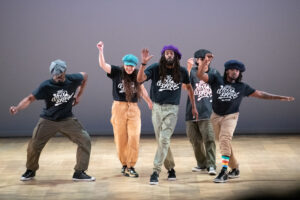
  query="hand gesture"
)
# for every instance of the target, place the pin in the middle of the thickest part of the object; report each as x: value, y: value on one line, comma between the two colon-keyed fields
x: 13, y: 110
x: 145, y: 56
x: 100, y: 46
x: 287, y: 98
x: 190, y: 63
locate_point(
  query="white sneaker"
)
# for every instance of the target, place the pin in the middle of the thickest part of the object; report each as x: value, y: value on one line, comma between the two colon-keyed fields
x: 212, y: 171
x: 198, y: 169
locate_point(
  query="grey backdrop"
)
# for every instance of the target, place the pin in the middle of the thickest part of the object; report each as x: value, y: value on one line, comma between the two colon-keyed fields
x: 264, y: 34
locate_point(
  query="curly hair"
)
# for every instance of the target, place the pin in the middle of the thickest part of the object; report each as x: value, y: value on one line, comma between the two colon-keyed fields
x: 131, y: 86
x: 163, y: 68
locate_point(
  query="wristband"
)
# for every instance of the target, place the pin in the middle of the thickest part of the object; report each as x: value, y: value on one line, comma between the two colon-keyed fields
x: 144, y: 64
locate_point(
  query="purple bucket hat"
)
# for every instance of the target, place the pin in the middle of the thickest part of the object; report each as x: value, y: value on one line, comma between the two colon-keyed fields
x: 173, y: 48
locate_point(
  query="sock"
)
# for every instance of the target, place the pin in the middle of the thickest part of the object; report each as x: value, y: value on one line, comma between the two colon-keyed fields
x: 225, y: 161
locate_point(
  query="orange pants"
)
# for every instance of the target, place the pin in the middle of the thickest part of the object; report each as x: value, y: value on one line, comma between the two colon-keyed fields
x: 126, y: 122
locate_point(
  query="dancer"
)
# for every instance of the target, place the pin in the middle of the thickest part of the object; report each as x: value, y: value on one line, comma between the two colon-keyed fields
x: 167, y: 77
x: 228, y: 92
x: 59, y: 94
x: 200, y: 132
x: 126, y: 116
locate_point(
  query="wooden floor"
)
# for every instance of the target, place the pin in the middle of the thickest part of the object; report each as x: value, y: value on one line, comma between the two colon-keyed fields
x: 267, y: 164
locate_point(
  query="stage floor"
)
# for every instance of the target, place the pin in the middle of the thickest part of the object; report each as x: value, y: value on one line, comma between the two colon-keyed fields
x: 267, y: 163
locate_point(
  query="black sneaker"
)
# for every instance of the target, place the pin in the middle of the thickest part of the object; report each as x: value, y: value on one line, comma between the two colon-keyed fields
x: 82, y: 176
x: 28, y: 175
x: 234, y: 173
x: 222, y: 177
x: 130, y: 172
x: 154, y: 178
x: 172, y: 175
x: 123, y: 169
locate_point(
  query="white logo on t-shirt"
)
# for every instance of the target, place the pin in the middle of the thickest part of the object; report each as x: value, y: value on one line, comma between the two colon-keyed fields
x: 168, y: 84
x: 122, y: 89
x: 202, y: 90
x: 227, y: 93
x: 61, y: 97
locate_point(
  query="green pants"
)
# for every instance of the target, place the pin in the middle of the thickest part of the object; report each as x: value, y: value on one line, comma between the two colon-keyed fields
x: 201, y: 136
x: 70, y: 127
x: 164, y: 118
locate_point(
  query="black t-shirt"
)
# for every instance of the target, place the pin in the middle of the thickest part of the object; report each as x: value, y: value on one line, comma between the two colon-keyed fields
x: 227, y: 97
x: 202, y: 95
x: 167, y: 92
x: 118, y: 90
x: 58, y: 97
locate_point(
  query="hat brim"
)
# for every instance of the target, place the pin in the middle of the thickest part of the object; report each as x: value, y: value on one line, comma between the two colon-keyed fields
x: 57, y: 72
x: 241, y: 69
x: 130, y: 64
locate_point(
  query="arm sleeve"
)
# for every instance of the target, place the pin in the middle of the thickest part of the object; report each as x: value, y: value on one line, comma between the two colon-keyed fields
x: 76, y: 78
x: 185, y: 74
x: 39, y: 93
x: 113, y: 72
x: 149, y: 71
x: 248, y: 90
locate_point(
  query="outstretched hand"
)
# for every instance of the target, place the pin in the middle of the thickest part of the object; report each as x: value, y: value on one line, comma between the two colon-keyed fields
x: 13, y: 110
x: 145, y: 56
x: 100, y: 46
x: 287, y: 98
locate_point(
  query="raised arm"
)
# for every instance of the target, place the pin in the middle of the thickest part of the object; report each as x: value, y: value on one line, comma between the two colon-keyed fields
x: 189, y: 89
x: 141, y: 76
x: 146, y: 97
x: 24, y: 103
x: 81, y: 88
x: 105, y: 66
x: 202, y: 68
x: 189, y: 66
x: 268, y: 96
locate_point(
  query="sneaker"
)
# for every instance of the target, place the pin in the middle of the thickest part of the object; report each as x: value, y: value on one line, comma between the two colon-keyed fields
x: 172, y: 175
x: 198, y: 169
x: 154, y: 178
x: 82, y: 176
x: 28, y: 175
x: 130, y: 172
x: 234, y: 173
x: 123, y: 169
x: 222, y: 177
x: 212, y: 171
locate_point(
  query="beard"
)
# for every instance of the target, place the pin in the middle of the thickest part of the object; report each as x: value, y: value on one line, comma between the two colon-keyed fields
x: 233, y: 78
x: 170, y: 61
